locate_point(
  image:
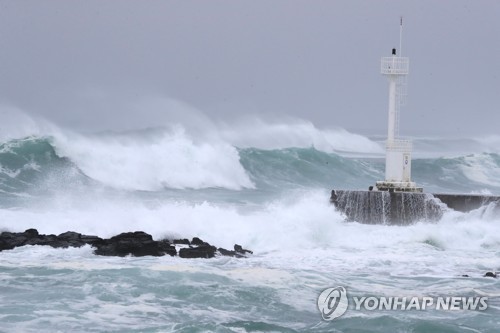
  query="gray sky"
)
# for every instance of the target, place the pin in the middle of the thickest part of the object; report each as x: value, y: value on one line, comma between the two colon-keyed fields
x: 92, y: 64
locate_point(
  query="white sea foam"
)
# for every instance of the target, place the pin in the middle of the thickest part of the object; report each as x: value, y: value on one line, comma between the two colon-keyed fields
x: 177, y: 157
x: 172, y: 159
x: 300, y: 220
x: 481, y: 168
x: 301, y: 246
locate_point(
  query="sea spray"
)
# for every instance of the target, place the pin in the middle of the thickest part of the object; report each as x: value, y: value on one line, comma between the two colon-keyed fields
x: 301, y: 243
x: 173, y: 160
x: 253, y: 132
x: 158, y: 161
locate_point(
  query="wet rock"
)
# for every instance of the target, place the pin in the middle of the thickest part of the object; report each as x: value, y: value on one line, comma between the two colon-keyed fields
x: 241, y: 250
x: 167, y: 248
x: 137, y: 244
x: 229, y: 253
x: 31, y: 233
x: 10, y: 240
x: 69, y: 239
x: 91, y: 240
x: 203, y: 251
x: 184, y: 241
x: 197, y: 242
x: 490, y: 274
x: 130, y: 243
x: 50, y: 240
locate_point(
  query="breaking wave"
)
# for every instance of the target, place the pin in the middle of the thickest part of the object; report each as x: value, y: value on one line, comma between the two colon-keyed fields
x: 168, y: 160
x: 160, y: 160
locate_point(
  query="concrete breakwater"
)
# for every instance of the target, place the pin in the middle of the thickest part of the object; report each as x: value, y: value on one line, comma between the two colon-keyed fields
x: 402, y: 208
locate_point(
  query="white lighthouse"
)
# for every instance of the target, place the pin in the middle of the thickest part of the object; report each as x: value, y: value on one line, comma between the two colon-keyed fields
x: 398, y: 151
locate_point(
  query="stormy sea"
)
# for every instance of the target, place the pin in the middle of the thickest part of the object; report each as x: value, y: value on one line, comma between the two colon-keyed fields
x: 264, y: 185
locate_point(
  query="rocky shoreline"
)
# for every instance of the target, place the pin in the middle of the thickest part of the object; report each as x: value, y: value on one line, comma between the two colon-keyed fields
x: 136, y: 244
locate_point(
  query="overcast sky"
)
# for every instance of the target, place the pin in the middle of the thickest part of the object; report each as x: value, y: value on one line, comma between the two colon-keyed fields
x: 101, y: 64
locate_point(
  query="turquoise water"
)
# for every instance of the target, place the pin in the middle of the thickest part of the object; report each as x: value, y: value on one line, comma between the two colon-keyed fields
x: 271, y: 198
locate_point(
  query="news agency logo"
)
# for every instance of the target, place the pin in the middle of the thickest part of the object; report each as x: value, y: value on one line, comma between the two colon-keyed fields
x: 334, y: 302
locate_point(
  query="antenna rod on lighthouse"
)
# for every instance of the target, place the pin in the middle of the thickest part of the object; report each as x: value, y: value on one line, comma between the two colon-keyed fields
x: 401, y: 36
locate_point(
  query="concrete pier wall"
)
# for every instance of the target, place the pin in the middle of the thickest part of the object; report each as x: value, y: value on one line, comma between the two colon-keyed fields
x: 402, y: 208
x: 466, y: 202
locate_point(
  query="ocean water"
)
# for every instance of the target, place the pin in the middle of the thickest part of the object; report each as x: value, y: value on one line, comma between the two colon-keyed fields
x: 264, y: 186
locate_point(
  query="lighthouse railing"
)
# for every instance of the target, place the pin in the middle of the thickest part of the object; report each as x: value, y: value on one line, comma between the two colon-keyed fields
x: 394, y: 65
x: 401, y: 145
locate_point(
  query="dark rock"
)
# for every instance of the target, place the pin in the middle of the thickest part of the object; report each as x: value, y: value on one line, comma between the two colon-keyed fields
x: 184, y: 241
x: 69, y: 239
x: 53, y: 241
x: 167, y: 248
x: 465, y: 275
x: 40, y: 240
x: 203, y: 251
x: 241, y: 250
x: 10, y: 240
x: 91, y: 240
x: 64, y: 240
x: 229, y: 253
x: 137, y: 244
x: 70, y: 235
x: 137, y: 235
x: 197, y: 242
x: 130, y: 243
x: 490, y: 274
x: 74, y: 239
x: 31, y: 233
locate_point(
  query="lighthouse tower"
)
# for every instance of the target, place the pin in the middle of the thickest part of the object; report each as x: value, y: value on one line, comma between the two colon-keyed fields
x: 398, y: 150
